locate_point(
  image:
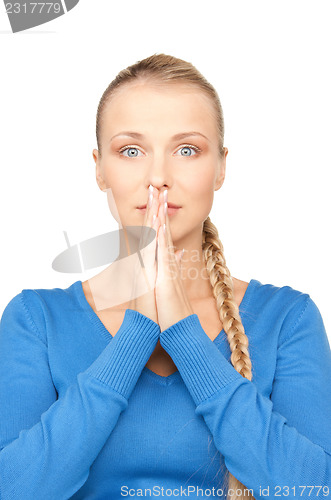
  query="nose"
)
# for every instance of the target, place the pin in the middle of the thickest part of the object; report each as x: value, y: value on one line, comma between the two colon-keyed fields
x: 159, y: 175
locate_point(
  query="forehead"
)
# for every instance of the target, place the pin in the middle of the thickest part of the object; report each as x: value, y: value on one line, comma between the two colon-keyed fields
x: 149, y: 108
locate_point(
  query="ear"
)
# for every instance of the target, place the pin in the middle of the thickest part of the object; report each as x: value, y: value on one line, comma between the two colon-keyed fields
x: 221, y: 170
x: 98, y: 170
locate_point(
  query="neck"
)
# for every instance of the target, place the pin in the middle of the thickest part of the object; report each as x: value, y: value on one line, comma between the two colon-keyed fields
x: 193, y: 272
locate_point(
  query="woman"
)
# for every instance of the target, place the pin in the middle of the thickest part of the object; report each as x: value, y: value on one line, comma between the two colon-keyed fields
x: 163, y: 375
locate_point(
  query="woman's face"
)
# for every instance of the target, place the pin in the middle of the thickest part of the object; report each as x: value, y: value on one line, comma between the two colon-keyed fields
x: 139, y: 147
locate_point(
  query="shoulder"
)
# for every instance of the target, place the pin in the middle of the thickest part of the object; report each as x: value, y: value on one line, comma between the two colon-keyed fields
x: 262, y: 296
x: 282, y: 296
x: 47, y: 298
x: 33, y: 307
x: 285, y: 308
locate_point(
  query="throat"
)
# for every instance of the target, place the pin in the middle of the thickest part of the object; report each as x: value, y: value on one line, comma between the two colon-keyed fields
x: 160, y: 362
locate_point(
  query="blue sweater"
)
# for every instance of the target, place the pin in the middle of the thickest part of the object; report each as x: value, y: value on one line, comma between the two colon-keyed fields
x: 82, y: 417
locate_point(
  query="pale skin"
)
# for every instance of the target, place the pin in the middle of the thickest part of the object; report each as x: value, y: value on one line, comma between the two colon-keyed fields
x: 190, y: 169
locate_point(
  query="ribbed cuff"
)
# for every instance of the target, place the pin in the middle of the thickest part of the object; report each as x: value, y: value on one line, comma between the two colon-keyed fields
x: 121, y: 362
x: 202, y: 366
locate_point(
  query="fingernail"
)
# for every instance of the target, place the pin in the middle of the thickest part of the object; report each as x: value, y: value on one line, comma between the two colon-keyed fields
x: 150, y: 187
x: 165, y: 195
x: 165, y: 208
x: 164, y: 228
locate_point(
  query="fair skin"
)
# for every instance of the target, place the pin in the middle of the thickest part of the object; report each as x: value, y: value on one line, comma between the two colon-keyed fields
x: 191, y: 177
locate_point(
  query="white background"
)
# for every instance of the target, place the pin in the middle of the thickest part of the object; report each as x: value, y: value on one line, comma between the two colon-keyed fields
x: 269, y: 62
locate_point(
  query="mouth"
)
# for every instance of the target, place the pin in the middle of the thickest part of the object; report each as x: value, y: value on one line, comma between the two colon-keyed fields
x: 172, y: 208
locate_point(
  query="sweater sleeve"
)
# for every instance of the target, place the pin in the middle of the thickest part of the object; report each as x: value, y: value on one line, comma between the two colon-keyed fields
x: 47, y: 444
x: 281, y: 444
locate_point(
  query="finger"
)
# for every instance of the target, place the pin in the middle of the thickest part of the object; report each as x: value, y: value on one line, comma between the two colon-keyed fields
x: 145, y: 274
x: 150, y: 223
x: 151, y: 209
x: 168, y: 238
x: 146, y: 249
x: 161, y: 246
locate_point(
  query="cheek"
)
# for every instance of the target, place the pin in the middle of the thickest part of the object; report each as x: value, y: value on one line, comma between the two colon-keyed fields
x: 113, y: 176
x: 114, y: 206
x: 118, y: 197
x: 201, y: 186
x: 201, y: 195
x: 120, y: 185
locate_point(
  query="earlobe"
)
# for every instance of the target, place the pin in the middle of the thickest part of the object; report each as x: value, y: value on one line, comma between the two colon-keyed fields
x: 101, y: 183
x: 223, y: 167
x: 221, y: 172
x: 219, y: 183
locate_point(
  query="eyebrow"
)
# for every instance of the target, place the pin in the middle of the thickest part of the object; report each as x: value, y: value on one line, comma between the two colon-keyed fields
x: 175, y: 137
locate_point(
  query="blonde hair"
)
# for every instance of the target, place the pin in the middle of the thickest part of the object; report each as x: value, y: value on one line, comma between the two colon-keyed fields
x: 160, y: 69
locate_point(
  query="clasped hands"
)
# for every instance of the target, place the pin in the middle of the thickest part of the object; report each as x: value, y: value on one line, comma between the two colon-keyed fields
x: 158, y: 269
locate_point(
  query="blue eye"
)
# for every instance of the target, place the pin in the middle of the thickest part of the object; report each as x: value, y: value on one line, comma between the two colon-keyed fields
x: 132, y: 152
x: 186, y: 150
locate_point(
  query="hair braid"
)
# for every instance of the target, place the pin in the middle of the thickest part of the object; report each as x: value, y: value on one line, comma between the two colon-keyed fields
x: 221, y: 281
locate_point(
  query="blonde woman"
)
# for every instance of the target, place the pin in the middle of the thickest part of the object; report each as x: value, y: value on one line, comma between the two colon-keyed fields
x: 164, y: 375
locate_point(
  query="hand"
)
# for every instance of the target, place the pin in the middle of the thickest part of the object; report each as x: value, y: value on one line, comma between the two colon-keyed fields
x: 144, y: 274
x: 171, y: 299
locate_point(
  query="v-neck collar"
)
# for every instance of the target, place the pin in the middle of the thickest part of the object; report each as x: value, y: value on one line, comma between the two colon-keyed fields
x: 77, y: 287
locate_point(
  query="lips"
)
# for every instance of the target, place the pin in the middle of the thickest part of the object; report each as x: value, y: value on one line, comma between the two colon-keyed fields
x: 170, y: 205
